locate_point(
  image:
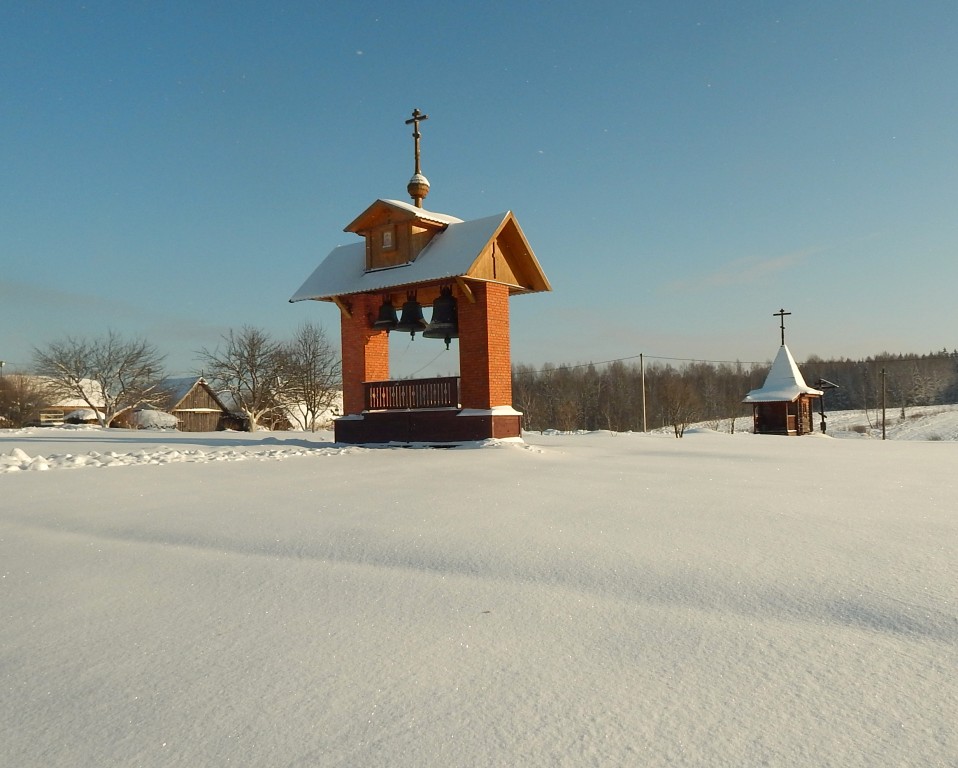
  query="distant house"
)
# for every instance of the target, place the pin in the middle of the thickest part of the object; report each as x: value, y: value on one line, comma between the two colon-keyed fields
x: 73, y: 410
x: 783, y: 404
x: 199, y: 409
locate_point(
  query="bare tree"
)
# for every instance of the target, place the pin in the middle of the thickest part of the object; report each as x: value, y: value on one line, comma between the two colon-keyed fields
x: 110, y: 374
x: 250, y: 366
x: 312, y: 379
x: 681, y: 403
x: 525, y: 394
x: 733, y: 385
x: 21, y: 398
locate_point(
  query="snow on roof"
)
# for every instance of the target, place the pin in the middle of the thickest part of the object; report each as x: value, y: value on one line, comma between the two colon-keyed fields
x: 92, y: 390
x: 784, y: 382
x: 81, y: 414
x: 178, y: 387
x: 72, y: 402
x: 419, y: 213
x: 449, y: 254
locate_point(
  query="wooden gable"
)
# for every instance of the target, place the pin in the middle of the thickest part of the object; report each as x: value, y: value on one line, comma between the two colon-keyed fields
x: 508, y: 258
x: 395, y: 234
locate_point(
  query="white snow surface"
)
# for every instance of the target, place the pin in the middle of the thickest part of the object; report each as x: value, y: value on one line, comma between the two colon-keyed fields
x: 149, y: 418
x: 591, y: 599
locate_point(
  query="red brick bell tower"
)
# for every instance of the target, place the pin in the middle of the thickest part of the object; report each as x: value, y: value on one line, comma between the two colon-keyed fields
x: 410, y: 258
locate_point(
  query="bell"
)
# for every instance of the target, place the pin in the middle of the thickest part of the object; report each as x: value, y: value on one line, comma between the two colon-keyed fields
x: 445, y: 318
x: 387, y: 317
x: 411, y: 319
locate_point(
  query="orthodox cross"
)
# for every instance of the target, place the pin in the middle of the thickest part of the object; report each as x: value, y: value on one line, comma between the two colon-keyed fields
x: 781, y: 315
x: 416, y: 118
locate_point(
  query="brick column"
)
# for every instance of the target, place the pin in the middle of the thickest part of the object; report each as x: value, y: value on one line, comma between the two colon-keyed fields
x: 485, y: 365
x: 365, y: 351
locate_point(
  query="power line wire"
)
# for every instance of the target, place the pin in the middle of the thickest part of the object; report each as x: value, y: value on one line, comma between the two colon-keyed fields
x: 914, y: 358
x: 650, y: 357
x: 428, y: 364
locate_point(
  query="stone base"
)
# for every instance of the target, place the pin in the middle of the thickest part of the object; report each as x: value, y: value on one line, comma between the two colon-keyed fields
x: 433, y: 427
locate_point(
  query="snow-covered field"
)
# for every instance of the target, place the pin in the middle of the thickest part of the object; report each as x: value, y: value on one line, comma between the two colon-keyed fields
x: 274, y: 599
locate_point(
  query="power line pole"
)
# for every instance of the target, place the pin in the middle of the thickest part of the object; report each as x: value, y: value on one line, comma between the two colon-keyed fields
x: 882, y: 403
x: 645, y: 426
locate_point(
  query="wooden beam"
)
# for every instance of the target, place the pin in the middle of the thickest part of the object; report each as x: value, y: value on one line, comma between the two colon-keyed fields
x: 343, y: 306
x: 467, y: 291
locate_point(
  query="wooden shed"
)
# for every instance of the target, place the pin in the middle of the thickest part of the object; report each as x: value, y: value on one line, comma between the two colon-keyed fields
x: 783, y: 405
x: 199, y: 409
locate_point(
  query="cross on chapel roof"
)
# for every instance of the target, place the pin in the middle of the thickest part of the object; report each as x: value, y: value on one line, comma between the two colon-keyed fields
x: 418, y: 186
x: 781, y: 314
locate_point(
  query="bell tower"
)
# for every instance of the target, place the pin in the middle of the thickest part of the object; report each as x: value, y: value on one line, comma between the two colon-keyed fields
x: 409, y: 258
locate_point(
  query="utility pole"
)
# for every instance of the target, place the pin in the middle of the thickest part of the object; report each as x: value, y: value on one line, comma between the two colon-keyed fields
x: 882, y: 403
x: 645, y: 426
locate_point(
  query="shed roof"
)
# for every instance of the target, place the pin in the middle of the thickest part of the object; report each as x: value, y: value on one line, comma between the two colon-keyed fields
x: 784, y: 382
x: 454, y: 252
x: 180, y: 389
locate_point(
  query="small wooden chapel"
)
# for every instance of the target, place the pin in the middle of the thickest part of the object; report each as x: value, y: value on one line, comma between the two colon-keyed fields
x: 409, y: 258
x: 783, y: 405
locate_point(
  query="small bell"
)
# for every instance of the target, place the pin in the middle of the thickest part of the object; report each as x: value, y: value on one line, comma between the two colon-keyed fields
x: 387, y: 316
x: 445, y: 318
x: 411, y: 319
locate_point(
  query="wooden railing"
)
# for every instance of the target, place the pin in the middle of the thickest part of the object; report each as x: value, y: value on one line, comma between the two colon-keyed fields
x: 412, y: 393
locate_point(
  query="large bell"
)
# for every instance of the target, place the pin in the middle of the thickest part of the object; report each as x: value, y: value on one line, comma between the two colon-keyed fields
x: 387, y: 317
x: 445, y: 318
x: 411, y: 319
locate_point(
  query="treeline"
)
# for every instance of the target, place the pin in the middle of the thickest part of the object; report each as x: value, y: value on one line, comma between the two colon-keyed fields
x: 609, y: 396
x: 264, y: 380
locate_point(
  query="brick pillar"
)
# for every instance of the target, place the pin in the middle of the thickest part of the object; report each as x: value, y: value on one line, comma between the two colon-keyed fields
x: 365, y: 351
x: 485, y: 365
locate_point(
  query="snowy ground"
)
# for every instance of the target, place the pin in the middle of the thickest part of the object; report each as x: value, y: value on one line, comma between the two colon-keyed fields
x: 931, y: 422
x: 174, y: 599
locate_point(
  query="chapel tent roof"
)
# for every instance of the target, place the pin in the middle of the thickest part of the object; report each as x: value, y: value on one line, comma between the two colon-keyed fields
x: 784, y: 382
x: 454, y: 252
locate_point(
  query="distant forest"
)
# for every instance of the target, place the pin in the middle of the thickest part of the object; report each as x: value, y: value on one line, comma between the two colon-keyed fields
x: 609, y: 395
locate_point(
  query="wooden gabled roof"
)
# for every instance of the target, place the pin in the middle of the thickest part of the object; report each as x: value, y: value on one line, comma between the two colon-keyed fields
x: 183, y: 395
x: 492, y: 249
x: 381, y: 210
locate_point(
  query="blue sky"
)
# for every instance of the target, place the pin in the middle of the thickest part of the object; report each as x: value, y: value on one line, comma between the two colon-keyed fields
x: 682, y: 170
